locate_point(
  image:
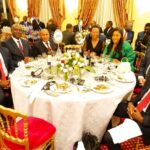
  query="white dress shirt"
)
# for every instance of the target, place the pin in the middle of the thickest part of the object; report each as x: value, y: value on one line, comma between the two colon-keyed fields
x: 45, y: 43
x: 3, y: 65
x: 16, y: 41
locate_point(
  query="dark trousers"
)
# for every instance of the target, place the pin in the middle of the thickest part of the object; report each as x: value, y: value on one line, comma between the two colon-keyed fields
x: 6, y: 98
x: 107, y: 139
x: 121, y: 111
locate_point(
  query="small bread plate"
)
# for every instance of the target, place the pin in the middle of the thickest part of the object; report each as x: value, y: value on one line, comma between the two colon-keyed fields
x: 102, y: 87
x: 62, y: 87
x: 124, y: 78
x: 28, y: 82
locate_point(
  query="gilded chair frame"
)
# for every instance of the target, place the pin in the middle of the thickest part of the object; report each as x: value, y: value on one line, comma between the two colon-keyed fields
x: 9, y: 118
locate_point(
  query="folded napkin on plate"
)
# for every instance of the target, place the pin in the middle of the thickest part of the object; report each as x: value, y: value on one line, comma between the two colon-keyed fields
x: 35, y: 89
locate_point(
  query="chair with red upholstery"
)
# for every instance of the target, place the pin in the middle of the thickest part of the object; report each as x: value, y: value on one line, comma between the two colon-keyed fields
x: 19, y: 132
x: 132, y: 144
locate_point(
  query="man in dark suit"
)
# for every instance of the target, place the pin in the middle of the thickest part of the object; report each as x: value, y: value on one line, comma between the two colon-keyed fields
x: 18, y: 48
x: 6, y: 67
x: 145, y: 64
x: 78, y: 27
x: 108, y: 30
x: 25, y: 22
x: 68, y: 35
x: 139, y: 41
x: 128, y: 110
x: 44, y: 45
x: 128, y: 34
x: 40, y: 23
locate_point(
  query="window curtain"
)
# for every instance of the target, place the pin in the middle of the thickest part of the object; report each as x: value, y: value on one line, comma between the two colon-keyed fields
x: 120, y: 12
x: 33, y: 8
x: 58, y: 11
x: 12, y: 7
x: 104, y: 13
x: 88, y: 8
x: 45, y: 9
x: 130, y: 6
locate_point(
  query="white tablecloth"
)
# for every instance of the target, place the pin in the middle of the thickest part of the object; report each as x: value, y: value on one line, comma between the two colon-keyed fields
x: 72, y: 113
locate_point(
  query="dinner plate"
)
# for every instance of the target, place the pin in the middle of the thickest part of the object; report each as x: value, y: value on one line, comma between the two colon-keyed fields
x: 28, y: 82
x: 123, y: 79
x: 61, y: 87
x: 102, y: 88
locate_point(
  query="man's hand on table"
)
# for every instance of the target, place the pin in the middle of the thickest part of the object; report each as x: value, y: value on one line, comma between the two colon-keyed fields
x: 141, y: 80
x: 134, y: 113
x: 5, y: 84
x: 27, y: 59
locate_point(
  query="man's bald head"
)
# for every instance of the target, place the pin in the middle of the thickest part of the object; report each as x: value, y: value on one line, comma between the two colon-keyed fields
x: 17, y: 30
x: 44, y: 35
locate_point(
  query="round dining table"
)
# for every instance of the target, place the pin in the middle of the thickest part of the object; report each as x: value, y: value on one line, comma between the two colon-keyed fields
x: 73, y: 112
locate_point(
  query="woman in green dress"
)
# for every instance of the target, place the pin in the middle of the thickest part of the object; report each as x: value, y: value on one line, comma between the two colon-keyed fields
x: 118, y: 49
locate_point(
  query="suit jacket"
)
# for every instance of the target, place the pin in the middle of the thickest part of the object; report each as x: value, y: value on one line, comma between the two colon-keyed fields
x: 15, y: 51
x: 108, y: 32
x: 130, y: 36
x: 24, y: 23
x: 42, y: 25
x: 39, y: 48
x: 76, y: 28
x: 121, y: 110
x: 139, y: 39
x: 68, y: 38
x: 7, y: 59
x: 10, y: 68
x: 145, y: 63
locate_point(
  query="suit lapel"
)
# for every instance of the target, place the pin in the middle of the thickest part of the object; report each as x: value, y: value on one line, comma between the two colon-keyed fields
x: 43, y: 47
x: 15, y: 47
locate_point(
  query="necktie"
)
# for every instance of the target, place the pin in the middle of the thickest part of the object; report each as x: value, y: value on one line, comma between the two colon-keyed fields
x: 21, y: 48
x: 144, y: 102
x: 48, y: 47
x: 3, y: 77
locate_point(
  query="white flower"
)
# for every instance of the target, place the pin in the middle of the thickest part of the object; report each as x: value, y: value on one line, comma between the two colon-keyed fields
x: 77, y: 55
x: 67, y: 66
x: 65, y: 70
x: 70, y: 68
x: 81, y: 64
x: 74, y: 62
x: 61, y: 68
x: 62, y: 64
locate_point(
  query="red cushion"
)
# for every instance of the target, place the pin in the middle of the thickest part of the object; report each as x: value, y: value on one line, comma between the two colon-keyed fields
x: 103, y: 147
x: 39, y: 131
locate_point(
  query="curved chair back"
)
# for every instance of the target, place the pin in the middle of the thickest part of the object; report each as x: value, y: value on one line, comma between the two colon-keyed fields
x: 9, y: 128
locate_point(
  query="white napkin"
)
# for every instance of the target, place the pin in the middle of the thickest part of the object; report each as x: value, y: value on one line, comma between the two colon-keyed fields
x: 35, y: 89
x: 80, y: 146
x: 127, y: 130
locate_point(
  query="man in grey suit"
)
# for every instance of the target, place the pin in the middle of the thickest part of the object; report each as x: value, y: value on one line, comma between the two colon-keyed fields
x: 18, y: 47
x: 44, y: 45
x: 68, y: 35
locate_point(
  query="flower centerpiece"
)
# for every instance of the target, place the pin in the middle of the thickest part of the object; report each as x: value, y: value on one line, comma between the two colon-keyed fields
x: 71, y: 63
